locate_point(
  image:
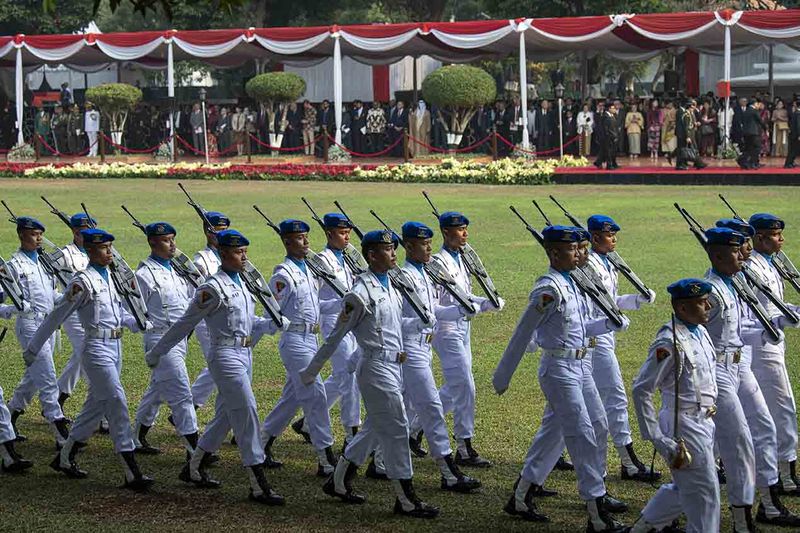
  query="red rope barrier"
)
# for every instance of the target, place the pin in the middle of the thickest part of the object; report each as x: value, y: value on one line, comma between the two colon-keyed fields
x: 375, y: 154
x: 59, y: 154
x: 533, y: 152
x: 191, y: 148
x: 456, y: 150
x: 292, y: 149
x: 131, y: 150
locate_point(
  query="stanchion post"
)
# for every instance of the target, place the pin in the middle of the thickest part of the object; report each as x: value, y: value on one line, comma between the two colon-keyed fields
x: 325, y: 144
x: 101, y: 138
x: 405, y: 146
x: 36, y: 147
x: 174, y: 145
x: 249, y: 149
x: 494, y: 145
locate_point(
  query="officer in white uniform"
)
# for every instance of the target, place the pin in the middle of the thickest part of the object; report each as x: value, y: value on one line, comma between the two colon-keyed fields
x: 229, y: 311
x: 373, y: 311
x: 341, y: 384
x: 76, y: 260
x: 92, y: 295
x: 768, y: 362
x: 91, y: 126
x: 694, y: 490
x: 167, y: 296
x: 558, y: 318
x: 207, y: 262
x: 297, y: 292
x: 420, y: 391
x: 451, y: 339
x: 605, y: 366
x: 39, y: 292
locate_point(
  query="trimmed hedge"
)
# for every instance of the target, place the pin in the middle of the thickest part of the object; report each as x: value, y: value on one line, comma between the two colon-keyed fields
x: 275, y: 87
x: 459, y: 86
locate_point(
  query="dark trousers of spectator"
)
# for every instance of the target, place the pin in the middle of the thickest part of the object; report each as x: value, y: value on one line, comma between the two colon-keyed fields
x: 376, y: 142
x: 197, y: 141
x: 794, y: 148
x: 752, y: 147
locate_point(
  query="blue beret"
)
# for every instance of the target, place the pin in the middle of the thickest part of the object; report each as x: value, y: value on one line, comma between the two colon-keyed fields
x: 737, y: 225
x: 157, y: 229
x: 29, y: 223
x: 416, y: 230
x: 293, y: 226
x: 452, y: 219
x: 336, y: 220
x: 218, y: 219
x: 689, y: 288
x: 96, y: 236
x: 380, y: 236
x: 601, y: 223
x: 585, y: 235
x: 81, y: 220
x: 231, y: 237
x: 766, y: 221
x: 724, y: 236
x: 562, y: 234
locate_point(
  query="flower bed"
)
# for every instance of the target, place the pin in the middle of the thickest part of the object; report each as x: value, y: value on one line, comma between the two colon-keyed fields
x: 450, y: 170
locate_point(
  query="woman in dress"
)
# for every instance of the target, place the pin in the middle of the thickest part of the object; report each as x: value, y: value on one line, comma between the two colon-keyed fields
x: 765, y: 133
x: 585, y: 129
x: 669, y: 143
x: 655, y: 120
x: 633, y: 127
x: 780, y: 128
x: 708, y: 130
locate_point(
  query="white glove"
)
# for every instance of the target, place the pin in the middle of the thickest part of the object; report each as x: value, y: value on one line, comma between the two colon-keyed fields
x: 285, y: 323
x: 29, y: 357
x: 466, y: 314
x: 26, y: 307
x: 767, y: 339
x: 782, y: 322
x: 625, y: 324
x: 649, y: 299
x: 667, y: 447
x: 148, y: 325
x: 151, y: 359
x: 307, y: 377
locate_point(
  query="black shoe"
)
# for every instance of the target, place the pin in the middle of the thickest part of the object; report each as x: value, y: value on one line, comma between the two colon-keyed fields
x: 681, y: 167
x: 103, y: 428
x: 62, y: 399
x: 785, y: 519
x: 205, y: 481
x: 18, y: 464
x: 564, y: 464
x: 530, y: 514
x: 72, y: 472
x: 464, y: 484
x: 415, y: 443
x: 372, y: 472
x: 543, y: 492
x: 420, y: 510
x: 267, y: 496
x: 15, y: 414
x: 297, y: 427
x: 140, y: 482
x: 643, y: 474
x: 612, y: 526
x: 473, y: 459
x: 613, y: 505
x: 62, y: 426
x: 213, y: 459
x: 144, y: 447
x: 270, y: 461
x: 350, y: 496
x: 701, y: 166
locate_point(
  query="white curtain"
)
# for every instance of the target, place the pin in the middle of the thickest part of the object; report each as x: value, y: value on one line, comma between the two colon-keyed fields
x: 477, y: 40
x: 401, y: 74
x: 291, y: 47
x: 128, y: 53
x: 56, y: 54
x: 356, y: 80
x: 379, y: 44
x: 205, y: 51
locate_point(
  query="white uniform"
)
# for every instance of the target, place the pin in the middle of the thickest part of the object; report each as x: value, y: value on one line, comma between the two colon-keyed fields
x: 341, y: 384
x: 558, y: 316
x: 451, y: 339
x: 694, y: 490
x: 167, y: 296
x: 91, y: 126
x: 769, y: 366
x: 94, y: 298
x: 229, y: 312
x: 6, y: 429
x: 421, y: 394
x: 207, y: 262
x: 39, y: 290
x: 297, y: 293
x: 76, y: 260
x: 374, y: 313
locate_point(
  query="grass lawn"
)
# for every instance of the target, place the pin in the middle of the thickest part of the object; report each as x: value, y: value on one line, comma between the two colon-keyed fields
x: 654, y: 241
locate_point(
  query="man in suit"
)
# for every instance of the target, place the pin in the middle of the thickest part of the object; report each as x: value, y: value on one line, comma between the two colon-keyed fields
x: 794, y: 135
x: 752, y: 126
x: 358, y: 127
x: 684, y: 132
x: 736, y: 124
x: 514, y: 116
x: 608, y: 133
x: 545, y: 127
x: 398, y: 123
x: 570, y: 132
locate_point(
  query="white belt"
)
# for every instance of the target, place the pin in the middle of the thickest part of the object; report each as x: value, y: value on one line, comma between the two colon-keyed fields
x: 303, y: 327
x: 107, y: 334
x: 693, y: 409
x: 729, y: 355
x: 566, y: 353
x: 238, y: 341
x: 386, y: 355
x: 420, y: 338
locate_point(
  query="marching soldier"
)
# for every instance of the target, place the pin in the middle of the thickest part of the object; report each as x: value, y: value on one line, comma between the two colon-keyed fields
x: 229, y: 312
x: 296, y: 290
x: 167, y: 296
x: 683, y: 432
x: 40, y: 294
x: 373, y: 312
x: 92, y: 295
x: 558, y: 319
x: 10, y: 460
x: 605, y: 366
x: 452, y: 341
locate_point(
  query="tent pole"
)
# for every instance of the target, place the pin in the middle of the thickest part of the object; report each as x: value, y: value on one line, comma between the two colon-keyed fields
x: 337, y: 85
x: 18, y: 93
x: 523, y: 90
x: 171, y: 96
x: 727, y: 78
x: 772, y: 71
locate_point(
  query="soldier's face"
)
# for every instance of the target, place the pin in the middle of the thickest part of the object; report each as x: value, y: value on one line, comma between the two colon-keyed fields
x: 77, y: 238
x: 419, y: 250
x: 768, y: 241
x: 455, y: 238
x: 727, y: 260
x: 233, y: 257
x: 163, y: 246
x: 296, y: 245
x: 564, y: 256
x: 338, y: 238
x: 30, y: 239
x: 100, y: 254
x: 604, y: 242
x: 382, y: 257
x: 693, y: 310
x: 746, y: 248
x: 583, y: 253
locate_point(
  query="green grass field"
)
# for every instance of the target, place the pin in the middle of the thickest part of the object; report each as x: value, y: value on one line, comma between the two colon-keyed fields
x: 654, y: 241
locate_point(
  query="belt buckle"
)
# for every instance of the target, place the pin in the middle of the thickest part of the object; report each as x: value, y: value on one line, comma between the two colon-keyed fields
x: 116, y: 333
x: 580, y: 353
x: 247, y: 341
x: 592, y: 342
x: 711, y: 411
x: 315, y: 329
x: 401, y: 357
x: 737, y: 356
x: 428, y: 338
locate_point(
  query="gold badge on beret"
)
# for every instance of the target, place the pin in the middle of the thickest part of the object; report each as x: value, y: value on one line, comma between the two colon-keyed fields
x: 386, y: 237
x: 694, y: 288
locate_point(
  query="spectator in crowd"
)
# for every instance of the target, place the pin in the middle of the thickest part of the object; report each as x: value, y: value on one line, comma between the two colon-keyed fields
x: 326, y: 118
x: 41, y: 123
x: 764, y: 113
x: 91, y: 125
x: 725, y: 121
x: 65, y: 96
x: 545, y: 127
x: 780, y: 129
x: 585, y: 129
x: 75, y: 130
x: 58, y: 123
x: 570, y: 129
x: 198, y: 133
x: 438, y: 128
x: 708, y: 130
x: 223, y: 130
x: 420, y: 127
x: 501, y: 126
x: 398, y: 123
x: 737, y: 126
x: 752, y: 128
x: 794, y: 135
x: 250, y: 118
x: 532, y: 123
x: 376, y: 127
x: 668, y: 141
x: 655, y: 121
x: 634, y: 121
x: 347, y: 119
x: 309, y: 125
x: 514, y: 120
x: 358, y: 127
x: 292, y: 135
x: 238, y: 120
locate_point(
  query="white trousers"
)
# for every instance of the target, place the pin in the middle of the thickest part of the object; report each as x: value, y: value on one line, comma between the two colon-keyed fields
x: 458, y: 392
x: 6, y: 430
x: 610, y: 385
x: 203, y: 385
x: 93, y: 144
x: 39, y: 378
x: 341, y: 384
x: 72, y: 371
x: 769, y: 368
x: 759, y: 420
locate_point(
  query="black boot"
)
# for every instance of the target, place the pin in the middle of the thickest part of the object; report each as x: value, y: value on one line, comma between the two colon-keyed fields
x: 721, y: 477
x: 600, y: 521
x: 414, y: 507
x: 613, y: 505
x: 372, y: 471
x: 643, y: 473
x: 472, y: 458
x: 14, y: 416
x: 62, y: 398
x: 350, y: 495
x: 134, y: 479
x: 353, y: 431
x: 17, y: 464
x: 743, y: 515
x: 72, y: 470
x: 543, y: 492
x: 270, y: 461
x: 191, y: 439
x: 297, y: 427
x: 415, y: 443
x: 62, y: 427
x: 103, y: 427
x: 528, y: 510
x: 144, y: 447
x: 564, y: 464
x: 331, y: 459
x: 201, y: 478
x: 263, y: 493
x: 463, y: 484
x: 785, y: 518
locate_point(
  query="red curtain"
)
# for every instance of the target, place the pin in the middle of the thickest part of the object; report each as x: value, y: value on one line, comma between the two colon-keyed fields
x: 691, y: 67
x: 380, y: 83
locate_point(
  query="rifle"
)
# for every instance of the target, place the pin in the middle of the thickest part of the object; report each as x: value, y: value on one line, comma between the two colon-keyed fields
x: 351, y: 255
x: 783, y: 264
x: 125, y: 282
x: 742, y: 290
x: 180, y: 261
x: 613, y: 257
x: 682, y: 458
x: 474, y: 264
x: 60, y: 214
x: 317, y: 265
x: 11, y: 286
x: 581, y: 280
x: 51, y: 260
x: 438, y: 273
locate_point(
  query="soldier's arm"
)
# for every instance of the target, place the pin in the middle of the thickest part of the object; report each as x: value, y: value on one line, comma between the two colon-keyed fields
x: 75, y: 295
x: 656, y: 369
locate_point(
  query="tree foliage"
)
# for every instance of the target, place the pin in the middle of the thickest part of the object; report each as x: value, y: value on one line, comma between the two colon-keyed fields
x: 458, y: 90
x: 272, y: 88
x: 28, y: 17
x: 115, y: 101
